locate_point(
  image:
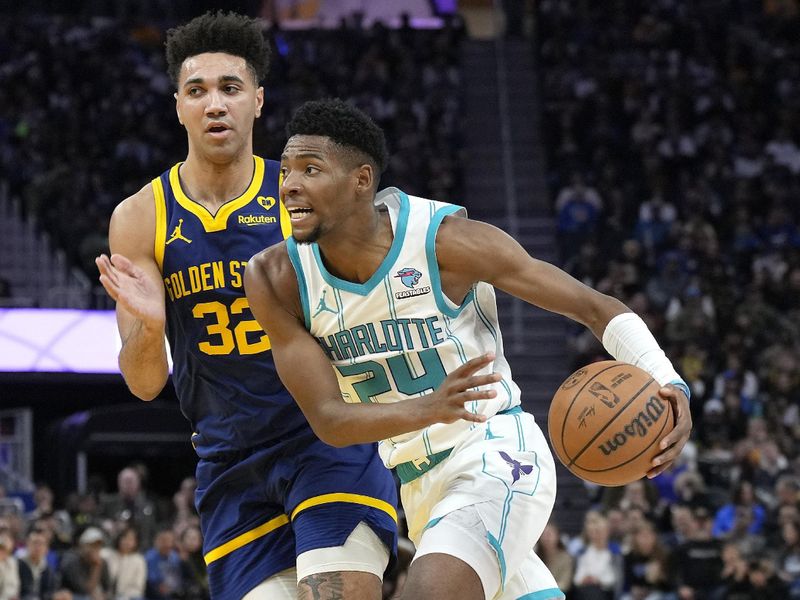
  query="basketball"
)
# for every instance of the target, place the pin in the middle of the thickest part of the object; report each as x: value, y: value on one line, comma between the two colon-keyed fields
x: 606, y: 420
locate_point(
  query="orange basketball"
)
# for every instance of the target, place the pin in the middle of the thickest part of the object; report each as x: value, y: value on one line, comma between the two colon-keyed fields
x: 606, y: 421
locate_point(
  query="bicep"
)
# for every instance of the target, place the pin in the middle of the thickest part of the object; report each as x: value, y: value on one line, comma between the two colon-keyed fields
x: 301, y: 363
x: 502, y: 262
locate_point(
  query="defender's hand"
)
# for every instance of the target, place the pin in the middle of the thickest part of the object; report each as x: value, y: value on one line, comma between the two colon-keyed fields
x: 128, y: 285
x: 447, y: 402
x: 675, y: 440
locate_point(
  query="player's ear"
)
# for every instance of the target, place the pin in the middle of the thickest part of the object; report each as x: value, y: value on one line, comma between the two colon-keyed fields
x: 178, y: 108
x: 365, y: 178
x: 259, y: 100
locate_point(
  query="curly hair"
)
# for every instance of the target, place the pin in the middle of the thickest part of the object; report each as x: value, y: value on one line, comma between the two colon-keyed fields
x: 343, y: 124
x: 231, y: 33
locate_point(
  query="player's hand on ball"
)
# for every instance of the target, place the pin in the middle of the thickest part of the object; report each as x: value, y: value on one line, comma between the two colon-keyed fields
x: 447, y: 402
x: 675, y: 440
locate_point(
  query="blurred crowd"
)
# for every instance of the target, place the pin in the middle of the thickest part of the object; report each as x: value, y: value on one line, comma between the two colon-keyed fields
x: 122, y: 545
x: 672, y: 132
x: 87, y: 116
x: 672, y: 129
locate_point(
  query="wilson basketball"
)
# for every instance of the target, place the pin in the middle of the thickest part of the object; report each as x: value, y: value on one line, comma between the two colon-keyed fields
x: 606, y: 420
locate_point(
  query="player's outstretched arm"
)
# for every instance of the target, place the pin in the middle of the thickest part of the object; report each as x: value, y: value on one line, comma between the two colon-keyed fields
x: 307, y: 373
x: 132, y: 278
x: 501, y: 261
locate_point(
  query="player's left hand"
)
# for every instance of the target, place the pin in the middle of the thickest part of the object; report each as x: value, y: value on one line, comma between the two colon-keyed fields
x: 675, y: 440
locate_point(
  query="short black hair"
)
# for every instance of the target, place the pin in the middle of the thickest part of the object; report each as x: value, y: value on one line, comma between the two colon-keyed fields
x: 343, y: 124
x: 231, y: 33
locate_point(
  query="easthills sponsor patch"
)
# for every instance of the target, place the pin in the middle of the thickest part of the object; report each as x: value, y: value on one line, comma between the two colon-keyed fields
x: 409, y: 293
x: 251, y: 220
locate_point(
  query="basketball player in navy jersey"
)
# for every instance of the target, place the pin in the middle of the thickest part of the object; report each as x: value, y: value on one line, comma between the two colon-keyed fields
x: 396, y: 293
x: 276, y: 504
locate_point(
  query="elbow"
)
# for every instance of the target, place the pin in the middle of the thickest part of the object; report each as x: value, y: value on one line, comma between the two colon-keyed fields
x: 331, y: 436
x: 146, y: 391
x: 330, y: 431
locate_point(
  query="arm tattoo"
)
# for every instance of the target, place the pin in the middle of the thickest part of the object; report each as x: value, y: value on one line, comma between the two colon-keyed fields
x: 321, y: 586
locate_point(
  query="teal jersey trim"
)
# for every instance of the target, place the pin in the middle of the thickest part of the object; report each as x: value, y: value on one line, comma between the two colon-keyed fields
x: 433, y: 264
x: 294, y: 257
x: 548, y: 594
x: 501, y: 557
x: 362, y: 289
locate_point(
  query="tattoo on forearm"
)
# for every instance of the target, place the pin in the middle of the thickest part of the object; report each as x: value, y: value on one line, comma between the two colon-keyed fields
x: 321, y: 586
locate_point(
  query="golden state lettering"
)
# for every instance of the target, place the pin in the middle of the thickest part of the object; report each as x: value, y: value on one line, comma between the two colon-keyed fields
x: 391, y: 335
x: 204, y: 277
x: 251, y: 220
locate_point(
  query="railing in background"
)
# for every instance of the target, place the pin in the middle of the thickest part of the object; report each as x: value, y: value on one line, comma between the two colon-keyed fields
x: 509, y: 188
x: 39, y: 274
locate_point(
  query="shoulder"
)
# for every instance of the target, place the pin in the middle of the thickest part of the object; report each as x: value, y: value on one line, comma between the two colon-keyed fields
x: 459, y: 237
x: 142, y: 202
x: 270, y: 273
x: 132, y: 229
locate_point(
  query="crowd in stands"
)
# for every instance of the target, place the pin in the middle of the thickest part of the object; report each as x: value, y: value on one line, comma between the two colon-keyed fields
x: 87, y: 116
x: 124, y: 545
x: 673, y: 137
x: 672, y: 130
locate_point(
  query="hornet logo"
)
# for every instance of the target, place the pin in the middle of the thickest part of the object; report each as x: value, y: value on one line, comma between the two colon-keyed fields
x: 517, y: 468
x: 409, y: 276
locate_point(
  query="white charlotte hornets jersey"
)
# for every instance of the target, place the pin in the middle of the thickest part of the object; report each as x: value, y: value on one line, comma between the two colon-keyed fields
x: 397, y: 336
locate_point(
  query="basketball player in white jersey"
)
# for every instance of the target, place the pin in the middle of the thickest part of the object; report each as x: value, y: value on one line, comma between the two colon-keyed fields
x: 396, y: 292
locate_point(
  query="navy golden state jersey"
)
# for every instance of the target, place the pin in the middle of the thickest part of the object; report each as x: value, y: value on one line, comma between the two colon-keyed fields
x: 222, y: 365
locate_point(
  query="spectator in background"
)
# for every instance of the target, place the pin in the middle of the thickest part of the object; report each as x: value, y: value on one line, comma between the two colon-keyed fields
x: 183, y: 504
x: 83, y: 571
x: 553, y: 552
x: 126, y: 566
x: 131, y: 505
x: 789, y: 558
x: 734, y: 572
x: 697, y: 564
x: 193, y: 568
x: 596, y: 567
x: 163, y: 567
x: 742, y: 506
x: 645, y: 565
x: 37, y: 578
x: 578, y: 209
x: 9, y: 570
x: 43, y: 500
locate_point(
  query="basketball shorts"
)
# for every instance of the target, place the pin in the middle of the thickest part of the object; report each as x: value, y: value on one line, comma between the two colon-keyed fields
x: 503, y: 474
x: 260, y: 508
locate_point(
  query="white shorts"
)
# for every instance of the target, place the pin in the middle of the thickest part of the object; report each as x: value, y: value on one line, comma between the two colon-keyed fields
x: 504, y: 472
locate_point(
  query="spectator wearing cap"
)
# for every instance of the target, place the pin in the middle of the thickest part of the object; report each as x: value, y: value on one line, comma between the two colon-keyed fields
x: 9, y: 572
x: 83, y: 571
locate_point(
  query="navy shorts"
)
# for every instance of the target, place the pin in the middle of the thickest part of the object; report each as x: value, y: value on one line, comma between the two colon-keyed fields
x: 260, y: 508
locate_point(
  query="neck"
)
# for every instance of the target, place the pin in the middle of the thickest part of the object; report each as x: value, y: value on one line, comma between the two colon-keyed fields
x: 211, y: 183
x: 354, y: 251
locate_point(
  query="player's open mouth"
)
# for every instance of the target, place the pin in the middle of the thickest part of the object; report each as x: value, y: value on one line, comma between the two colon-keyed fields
x: 217, y: 129
x: 296, y: 214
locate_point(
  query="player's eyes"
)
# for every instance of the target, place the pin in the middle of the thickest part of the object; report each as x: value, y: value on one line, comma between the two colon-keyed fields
x: 194, y: 91
x: 311, y: 169
x: 231, y: 89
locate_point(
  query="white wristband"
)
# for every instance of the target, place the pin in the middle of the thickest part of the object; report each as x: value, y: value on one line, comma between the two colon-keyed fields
x: 628, y: 339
